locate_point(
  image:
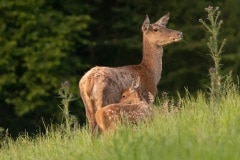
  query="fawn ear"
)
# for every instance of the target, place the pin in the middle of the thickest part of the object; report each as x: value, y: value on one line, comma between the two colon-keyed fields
x: 163, y: 20
x: 135, y: 83
x: 146, y: 24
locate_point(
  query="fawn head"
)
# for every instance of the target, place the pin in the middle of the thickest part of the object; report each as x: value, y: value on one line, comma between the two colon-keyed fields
x: 130, y: 95
x: 158, y: 34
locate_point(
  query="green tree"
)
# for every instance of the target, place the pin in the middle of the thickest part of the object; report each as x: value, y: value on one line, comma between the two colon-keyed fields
x: 230, y: 30
x: 38, y: 45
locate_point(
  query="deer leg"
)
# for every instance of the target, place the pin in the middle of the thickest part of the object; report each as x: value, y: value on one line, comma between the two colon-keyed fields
x: 91, y: 119
x: 86, y: 87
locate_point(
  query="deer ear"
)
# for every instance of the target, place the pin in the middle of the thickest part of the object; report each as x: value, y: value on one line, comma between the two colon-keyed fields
x: 146, y: 24
x: 163, y: 20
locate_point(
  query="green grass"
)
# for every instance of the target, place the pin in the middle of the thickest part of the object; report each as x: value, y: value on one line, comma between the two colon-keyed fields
x: 187, y: 134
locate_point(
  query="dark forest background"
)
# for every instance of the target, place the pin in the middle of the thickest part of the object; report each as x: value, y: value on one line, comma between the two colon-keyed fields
x: 45, y: 42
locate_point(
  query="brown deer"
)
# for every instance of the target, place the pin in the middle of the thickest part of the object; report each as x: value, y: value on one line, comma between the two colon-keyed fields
x: 132, y: 108
x: 102, y: 86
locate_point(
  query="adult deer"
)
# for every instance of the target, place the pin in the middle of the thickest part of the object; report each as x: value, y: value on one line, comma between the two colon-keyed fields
x: 132, y: 108
x: 101, y: 86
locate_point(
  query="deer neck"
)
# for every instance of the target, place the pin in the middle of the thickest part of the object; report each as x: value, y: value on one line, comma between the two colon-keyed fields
x: 152, y: 59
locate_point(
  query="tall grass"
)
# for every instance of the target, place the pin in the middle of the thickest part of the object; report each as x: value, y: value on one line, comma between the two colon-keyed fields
x: 185, y: 133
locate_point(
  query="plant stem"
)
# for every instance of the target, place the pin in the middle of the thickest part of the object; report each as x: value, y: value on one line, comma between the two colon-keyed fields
x: 213, y: 26
x: 67, y: 96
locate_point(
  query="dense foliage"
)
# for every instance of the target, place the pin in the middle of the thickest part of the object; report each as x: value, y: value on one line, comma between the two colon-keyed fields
x: 43, y: 43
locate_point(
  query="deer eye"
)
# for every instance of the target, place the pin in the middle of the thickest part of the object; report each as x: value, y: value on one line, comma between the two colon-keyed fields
x: 123, y: 96
x: 155, y: 29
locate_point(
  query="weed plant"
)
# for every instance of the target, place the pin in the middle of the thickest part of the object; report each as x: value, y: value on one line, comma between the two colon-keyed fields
x: 66, y: 97
x: 213, y: 25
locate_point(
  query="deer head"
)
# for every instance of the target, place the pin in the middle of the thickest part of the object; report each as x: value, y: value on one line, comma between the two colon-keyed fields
x: 130, y: 95
x: 158, y: 34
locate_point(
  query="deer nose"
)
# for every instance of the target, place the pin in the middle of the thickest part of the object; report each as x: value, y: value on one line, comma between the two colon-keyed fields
x: 180, y: 34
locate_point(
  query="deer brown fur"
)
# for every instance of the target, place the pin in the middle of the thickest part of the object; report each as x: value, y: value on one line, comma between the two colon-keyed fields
x: 132, y: 108
x: 102, y: 86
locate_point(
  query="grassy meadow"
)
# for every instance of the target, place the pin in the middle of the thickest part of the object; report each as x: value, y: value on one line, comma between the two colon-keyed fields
x: 205, y: 126
x: 193, y: 132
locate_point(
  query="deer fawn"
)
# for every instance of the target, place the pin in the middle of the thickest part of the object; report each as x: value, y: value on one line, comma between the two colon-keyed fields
x: 132, y: 107
x: 102, y: 86
x: 131, y: 95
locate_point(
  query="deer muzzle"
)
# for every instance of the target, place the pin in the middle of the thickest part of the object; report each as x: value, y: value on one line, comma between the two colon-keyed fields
x: 178, y: 37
